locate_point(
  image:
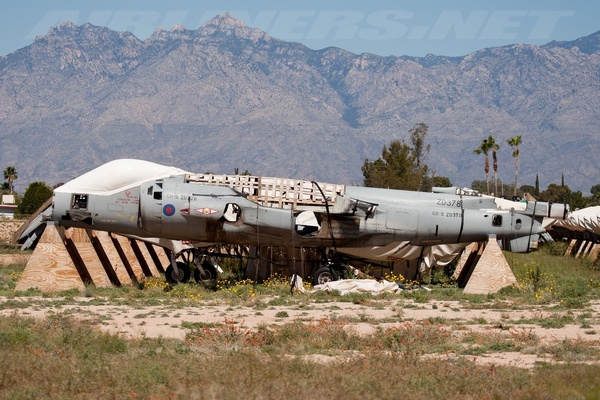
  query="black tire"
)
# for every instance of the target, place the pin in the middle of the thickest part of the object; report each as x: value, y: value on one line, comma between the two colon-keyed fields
x: 324, y: 275
x: 182, y: 277
x: 210, y: 273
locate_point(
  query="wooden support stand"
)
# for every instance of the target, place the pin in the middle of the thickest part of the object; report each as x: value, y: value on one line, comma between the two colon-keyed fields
x: 50, y: 267
x: 73, y: 258
x: 483, y: 269
x: 583, y: 248
x: 594, y: 252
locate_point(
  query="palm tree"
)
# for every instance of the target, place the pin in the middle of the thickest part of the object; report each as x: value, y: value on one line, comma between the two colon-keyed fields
x: 494, y: 147
x: 10, y: 174
x: 484, y: 148
x: 514, y: 142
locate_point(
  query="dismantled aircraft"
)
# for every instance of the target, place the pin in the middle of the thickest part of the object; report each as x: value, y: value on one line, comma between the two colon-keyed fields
x: 148, y: 200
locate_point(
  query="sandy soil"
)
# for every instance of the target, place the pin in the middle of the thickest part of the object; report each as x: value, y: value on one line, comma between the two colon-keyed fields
x: 8, y: 228
x: 166, y: 320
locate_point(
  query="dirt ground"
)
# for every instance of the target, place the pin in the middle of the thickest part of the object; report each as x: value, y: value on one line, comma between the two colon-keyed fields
x: 168, y: 321
x: 8, y: 228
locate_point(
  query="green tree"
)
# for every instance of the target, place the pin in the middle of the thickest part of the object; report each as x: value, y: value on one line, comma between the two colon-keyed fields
x: 494, y: 147
x: 430, y: 182
x: 237, y: 172
x: 441, y: 181
x: 577, y: 200
x: 536, y: 192
x: 515, y: 142
x: 562, y: 194
x: 400, y: 166
x: 10, y: 174
x: 555, y: 194
x: 595, y: 191
x: 503, y: 188
x: 479, y: 186
x: 484, y: 148
x: 526, y: 189
x: 417, y: 139
x: 35, y: 195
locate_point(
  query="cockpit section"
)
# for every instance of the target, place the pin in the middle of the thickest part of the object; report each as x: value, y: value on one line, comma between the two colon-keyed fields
x: 79, y: 201
x: 155, y: 191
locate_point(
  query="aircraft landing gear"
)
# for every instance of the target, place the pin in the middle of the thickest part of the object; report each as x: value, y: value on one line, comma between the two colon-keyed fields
x: 331, y: 269
x: 181, y: 271
x: 181, y: 275
x: 324, y: 275
x: 205, y: 274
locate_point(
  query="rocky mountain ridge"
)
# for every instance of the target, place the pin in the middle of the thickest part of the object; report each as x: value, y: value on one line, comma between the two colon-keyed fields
x: 228, y: 96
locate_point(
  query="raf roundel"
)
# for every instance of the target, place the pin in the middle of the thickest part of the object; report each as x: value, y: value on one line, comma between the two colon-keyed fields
x: 169, y: 209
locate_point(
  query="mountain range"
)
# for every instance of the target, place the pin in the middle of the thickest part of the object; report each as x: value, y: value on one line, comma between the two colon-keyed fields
x: 227, y: 96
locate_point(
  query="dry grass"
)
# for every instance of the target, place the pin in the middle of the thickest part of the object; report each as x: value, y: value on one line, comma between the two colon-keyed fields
x: 62, y: 358
x: 68, y: 357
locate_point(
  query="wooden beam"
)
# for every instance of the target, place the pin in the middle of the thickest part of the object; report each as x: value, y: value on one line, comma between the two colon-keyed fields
x: 109, y: 255
x: 159, y: 256
x: 571, y: 246
x: 584, y: 249
x: 464, y: 257
x: 144, y: 258
x: 470, y: 263
x: 128, y: 257
x: 85, y: 257
x: 594, y: 252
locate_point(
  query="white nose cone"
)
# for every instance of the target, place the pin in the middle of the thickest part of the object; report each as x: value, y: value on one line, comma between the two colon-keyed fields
x: 117, y: 175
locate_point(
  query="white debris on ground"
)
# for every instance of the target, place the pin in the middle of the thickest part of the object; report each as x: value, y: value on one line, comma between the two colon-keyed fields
x: 346, y: 286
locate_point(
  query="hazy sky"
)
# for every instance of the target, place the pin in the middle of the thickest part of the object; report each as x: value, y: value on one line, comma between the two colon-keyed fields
x: 382, y: 27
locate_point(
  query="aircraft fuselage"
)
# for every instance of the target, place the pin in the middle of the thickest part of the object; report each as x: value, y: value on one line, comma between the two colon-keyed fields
x: 175, y: 208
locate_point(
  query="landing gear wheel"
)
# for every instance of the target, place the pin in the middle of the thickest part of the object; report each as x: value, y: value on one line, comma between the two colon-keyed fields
x: 324, y: 275
x: 210, y: 273
x: 182, y: 277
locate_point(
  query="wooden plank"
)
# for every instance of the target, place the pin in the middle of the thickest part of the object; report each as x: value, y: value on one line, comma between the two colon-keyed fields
x: 491, y: 272
x: 585, y: 248
x: 162, y: 256
x: 572, y: 244
x: 128, y: 256
x: 159, y: 257
x: 112, y: 260
x: 87, y: 258
x: 594, y: 252
x: 472, y: 259
x: 50, y: 267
